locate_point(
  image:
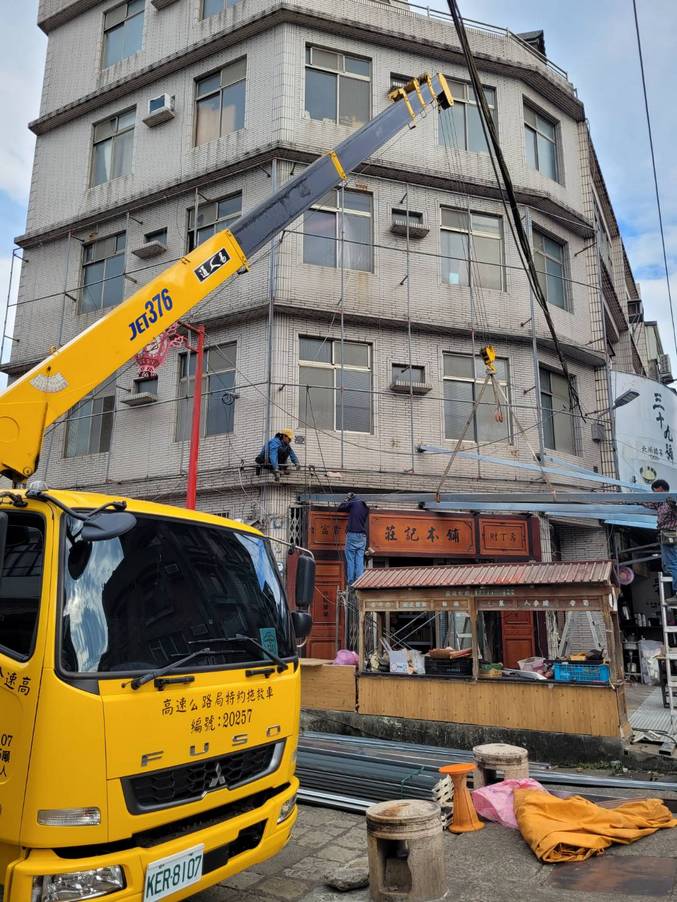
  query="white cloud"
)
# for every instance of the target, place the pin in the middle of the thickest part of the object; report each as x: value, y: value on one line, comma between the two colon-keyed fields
x: 21, y: 65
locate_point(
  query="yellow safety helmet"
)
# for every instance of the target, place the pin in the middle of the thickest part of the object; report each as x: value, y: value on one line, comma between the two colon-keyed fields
x: 288, y: 431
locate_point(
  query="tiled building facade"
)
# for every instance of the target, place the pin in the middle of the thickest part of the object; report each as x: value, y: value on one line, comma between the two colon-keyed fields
x: 336, y: 316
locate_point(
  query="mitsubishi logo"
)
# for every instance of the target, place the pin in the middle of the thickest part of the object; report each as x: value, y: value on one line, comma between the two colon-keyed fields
x: 218, y: 779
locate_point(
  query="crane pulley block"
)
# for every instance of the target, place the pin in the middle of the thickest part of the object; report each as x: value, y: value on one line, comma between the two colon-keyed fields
x: 488, y: 353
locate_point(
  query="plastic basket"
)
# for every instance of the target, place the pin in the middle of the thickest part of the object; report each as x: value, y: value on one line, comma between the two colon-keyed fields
x: 448, y: 667
x: 581, y: 673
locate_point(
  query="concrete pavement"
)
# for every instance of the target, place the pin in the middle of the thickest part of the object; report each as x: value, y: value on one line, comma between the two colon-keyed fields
x: 493, y: 865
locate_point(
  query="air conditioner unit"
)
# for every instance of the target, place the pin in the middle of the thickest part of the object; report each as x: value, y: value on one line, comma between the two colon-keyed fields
x: 160, y: 109
x: 635, y: 310
x: 144, y: 392
x: 664, y: 368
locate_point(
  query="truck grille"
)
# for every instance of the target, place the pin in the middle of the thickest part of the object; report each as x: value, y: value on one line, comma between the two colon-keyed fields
x: 191, y: 782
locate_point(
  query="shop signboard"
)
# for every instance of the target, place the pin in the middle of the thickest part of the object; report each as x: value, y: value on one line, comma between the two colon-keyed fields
x: 547, y: 603
x: 646, y: 430
x: 504, y: 537
x: 414, y: 534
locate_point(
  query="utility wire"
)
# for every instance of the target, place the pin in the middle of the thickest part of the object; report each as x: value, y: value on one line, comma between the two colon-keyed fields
x: 655, y: 177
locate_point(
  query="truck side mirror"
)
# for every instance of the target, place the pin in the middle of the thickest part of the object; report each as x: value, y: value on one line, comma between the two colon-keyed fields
x: 305, y: 582
x: 302, y: 623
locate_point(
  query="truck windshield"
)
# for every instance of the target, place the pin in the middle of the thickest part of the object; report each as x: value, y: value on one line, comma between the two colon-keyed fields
x: 167, y: 588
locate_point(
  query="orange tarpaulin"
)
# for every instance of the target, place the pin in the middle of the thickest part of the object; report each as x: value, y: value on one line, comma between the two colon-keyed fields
x: 573, y: 829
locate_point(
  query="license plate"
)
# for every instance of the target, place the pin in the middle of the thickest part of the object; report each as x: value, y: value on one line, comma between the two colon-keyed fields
x: 168, y: 875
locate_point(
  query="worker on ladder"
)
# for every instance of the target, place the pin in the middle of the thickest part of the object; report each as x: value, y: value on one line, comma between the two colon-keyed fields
x: 276, y: 452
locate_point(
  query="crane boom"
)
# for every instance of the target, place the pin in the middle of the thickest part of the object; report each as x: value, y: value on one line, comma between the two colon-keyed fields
x: 37, y: 399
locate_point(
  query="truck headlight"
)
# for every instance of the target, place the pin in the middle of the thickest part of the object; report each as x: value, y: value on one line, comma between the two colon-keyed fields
x: 69, y: 817
x: 78, y: 885
x: 286, y: 809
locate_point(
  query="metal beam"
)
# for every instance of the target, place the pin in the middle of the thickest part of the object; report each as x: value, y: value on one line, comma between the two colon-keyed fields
x: 588, y: 476
x: 615, y: 498
x: 579, y: 510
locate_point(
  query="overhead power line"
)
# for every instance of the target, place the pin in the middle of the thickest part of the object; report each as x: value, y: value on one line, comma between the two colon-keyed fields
x: 655, y: 177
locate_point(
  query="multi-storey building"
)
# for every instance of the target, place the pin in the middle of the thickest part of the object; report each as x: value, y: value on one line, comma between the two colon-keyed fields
x: 163, y: 120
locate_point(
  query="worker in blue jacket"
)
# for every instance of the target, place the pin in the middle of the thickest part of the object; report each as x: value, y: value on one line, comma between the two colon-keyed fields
x: 276, y: 452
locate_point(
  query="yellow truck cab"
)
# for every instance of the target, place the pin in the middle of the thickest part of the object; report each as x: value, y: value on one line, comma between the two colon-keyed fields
x: 149, y: 699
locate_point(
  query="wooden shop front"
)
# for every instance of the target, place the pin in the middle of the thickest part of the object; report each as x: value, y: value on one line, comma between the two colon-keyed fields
x: 402, y: 538
x: 472, y: 595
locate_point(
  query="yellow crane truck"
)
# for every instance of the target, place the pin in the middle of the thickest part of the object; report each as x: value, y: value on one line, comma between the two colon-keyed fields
x: 149, y: 672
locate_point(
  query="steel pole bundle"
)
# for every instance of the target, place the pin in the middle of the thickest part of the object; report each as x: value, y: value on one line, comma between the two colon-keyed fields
x: 351, y: 772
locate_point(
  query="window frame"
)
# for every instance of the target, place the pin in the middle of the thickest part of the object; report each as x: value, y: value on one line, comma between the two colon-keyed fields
x: 476, y: 381
x: 556, y: 141
x: 185, y: 378
x: 223, y: 222
x: 116, y: 236
x: 544, y: 368
x: 335, y: 367
x: 338, y: 73
x: 112, y: 138
x: 338, y: 211
x: 123, y: 23
x: 605, y: 246
x: 566, y: 289
x: 225, y: 4
x: 219, y: 92
x: 466, y: 102
x: 472, y: 260
x: 103, y: 395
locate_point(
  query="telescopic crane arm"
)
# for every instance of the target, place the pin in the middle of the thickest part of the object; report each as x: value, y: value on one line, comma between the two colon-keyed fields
x: 36, y: 400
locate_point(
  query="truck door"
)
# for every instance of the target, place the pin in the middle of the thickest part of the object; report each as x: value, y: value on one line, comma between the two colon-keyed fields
x: 24, y: 608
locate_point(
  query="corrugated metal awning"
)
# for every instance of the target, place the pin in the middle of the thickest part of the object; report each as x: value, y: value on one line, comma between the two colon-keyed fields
x: 532, y: 573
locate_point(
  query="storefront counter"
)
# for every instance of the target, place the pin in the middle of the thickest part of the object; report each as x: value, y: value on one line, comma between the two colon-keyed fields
x: 580, y: 708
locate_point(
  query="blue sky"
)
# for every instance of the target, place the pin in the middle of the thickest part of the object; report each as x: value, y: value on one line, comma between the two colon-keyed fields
x: 594, y: 41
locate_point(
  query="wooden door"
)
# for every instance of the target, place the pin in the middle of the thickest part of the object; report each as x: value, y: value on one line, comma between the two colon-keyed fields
x: 517, y: 628
x: 329, y: 578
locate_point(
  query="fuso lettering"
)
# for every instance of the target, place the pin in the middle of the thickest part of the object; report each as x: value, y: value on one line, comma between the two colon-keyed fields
x: 154, y: 310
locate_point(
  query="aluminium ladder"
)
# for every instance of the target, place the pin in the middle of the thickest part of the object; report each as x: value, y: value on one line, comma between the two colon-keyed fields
x: 670, y: 650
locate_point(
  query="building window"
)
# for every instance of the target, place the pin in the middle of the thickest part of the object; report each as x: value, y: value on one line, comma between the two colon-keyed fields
x: 549, y: 258
x: 324, y: 223
x: 218, y: 397
x: 219, y: 102
x: 559, y: 432
x: 332, y: 396
x: 461, y: 125
x: 122, y: 31
x: 463, y: 379
x: 472, y: 249
x: 90, y: 425
x: 212, y: 217
x: 113, y: 144
x: 211, y: 7
x: 540, y: 139
x: 103, y: 266
x: 338, y: 86
x: 603, y: 240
